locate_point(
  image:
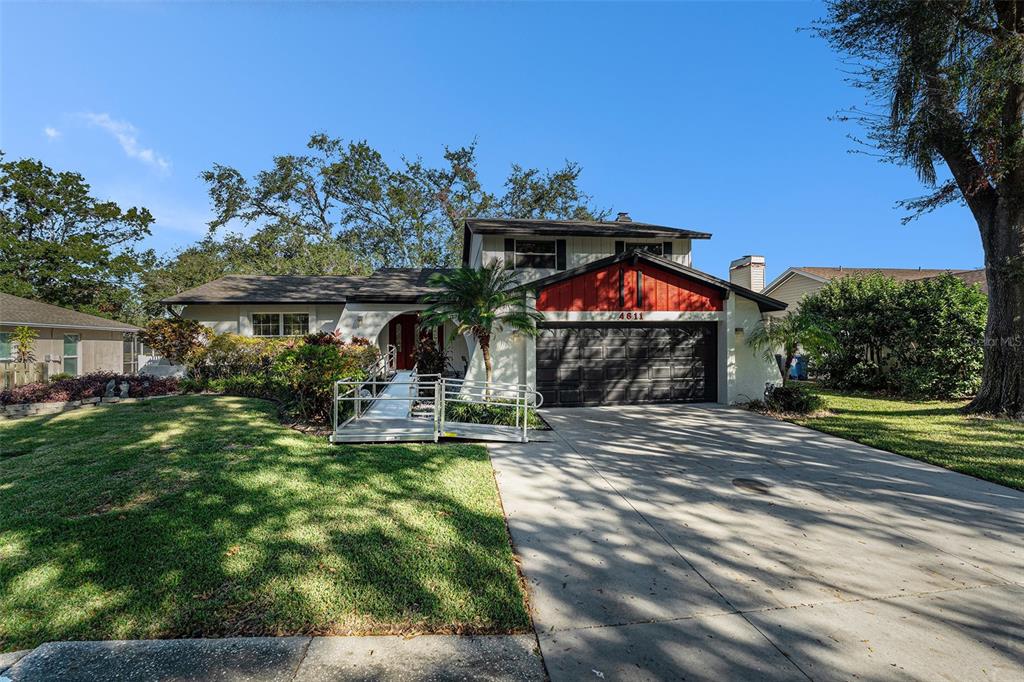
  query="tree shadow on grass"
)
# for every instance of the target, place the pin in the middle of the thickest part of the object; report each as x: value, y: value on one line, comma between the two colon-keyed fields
x: 201, y: 516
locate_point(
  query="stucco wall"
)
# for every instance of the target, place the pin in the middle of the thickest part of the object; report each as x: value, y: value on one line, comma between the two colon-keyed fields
x: 752, y: 371
x: 237, y: 319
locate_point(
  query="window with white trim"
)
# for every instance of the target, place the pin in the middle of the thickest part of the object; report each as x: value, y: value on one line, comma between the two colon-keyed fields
x: 535, y: 253
x: 5, y: 346
x: 280, y: 324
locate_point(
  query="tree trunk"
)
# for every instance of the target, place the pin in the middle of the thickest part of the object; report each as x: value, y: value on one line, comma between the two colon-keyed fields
x: 1002, y: 386
x: 786, y: 366
x: 485, y: 348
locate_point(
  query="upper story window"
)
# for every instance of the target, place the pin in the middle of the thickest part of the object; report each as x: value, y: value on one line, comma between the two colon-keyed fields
x: 543, y: 254
x: 657, y: 249
x: 532, y: 253
x: 280, y: 324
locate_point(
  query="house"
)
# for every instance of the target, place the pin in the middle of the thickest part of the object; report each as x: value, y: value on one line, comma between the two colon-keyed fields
x: 627, y: 319
x: 796, y: 283
x: 68, y: 341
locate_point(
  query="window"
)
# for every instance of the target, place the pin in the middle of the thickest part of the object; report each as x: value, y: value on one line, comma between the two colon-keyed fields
x: 71, y: 353
x: 5, y: 346
x: 531, y: 253
x: 294, y: 324
x: 656, y: 249
x: 280, y: 324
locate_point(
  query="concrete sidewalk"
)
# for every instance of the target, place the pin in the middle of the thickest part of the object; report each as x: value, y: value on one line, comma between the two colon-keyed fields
x: 282, y: 659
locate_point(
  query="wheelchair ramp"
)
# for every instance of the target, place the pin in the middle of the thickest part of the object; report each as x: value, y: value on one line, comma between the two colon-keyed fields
x: 411, y: 407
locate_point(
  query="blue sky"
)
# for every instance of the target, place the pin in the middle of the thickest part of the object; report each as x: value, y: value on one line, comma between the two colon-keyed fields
x: 712, y: 116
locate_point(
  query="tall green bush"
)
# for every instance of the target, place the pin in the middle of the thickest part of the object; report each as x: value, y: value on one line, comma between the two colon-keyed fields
x: 922, y: 338
x: 305, y: 375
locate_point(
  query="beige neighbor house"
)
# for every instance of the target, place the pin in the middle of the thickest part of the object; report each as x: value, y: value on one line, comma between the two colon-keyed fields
x: 793, y: 285
x: 627, y: 318
x: 69, y: 341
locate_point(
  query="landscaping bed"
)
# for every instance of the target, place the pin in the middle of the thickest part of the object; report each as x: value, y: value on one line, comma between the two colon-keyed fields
x: 931, y: 431
x: 201, y: 516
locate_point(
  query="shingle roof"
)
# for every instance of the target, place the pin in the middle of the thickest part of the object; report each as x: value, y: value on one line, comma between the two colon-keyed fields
x: 901, y: 274
x: 401, y: 285
x: 271, y: 289
x: 18, y: 311
x: 597, y: 228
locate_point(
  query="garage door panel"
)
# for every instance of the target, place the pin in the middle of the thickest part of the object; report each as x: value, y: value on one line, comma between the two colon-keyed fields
x: 661, y: 372
x: 661, y: 390
x: 626, y: 363
x: 568, y: 372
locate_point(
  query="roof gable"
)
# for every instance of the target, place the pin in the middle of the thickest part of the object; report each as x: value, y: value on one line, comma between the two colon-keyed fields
x: 764, y: 303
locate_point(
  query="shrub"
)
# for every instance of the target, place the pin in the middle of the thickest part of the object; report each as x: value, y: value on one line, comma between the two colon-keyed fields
x: 476, y: 413
x: 24, y: 339
x: 305, y: 376
x: 792, y: 399
x: 60, y: 376
x: 228, y: 355
x: 176, y: 339
x: 922, y: 338
x: 87, y: 386
x: 429, y: 358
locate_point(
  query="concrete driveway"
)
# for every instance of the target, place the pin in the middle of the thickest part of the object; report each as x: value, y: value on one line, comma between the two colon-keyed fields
x: 703, y: 542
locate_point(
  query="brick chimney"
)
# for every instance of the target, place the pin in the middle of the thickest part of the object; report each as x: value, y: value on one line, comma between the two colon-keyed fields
x: 748, y: 272
x: 623, y: 217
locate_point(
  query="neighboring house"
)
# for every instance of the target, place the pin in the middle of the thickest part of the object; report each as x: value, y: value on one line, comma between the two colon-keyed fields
x: 626, y: 317
x: 796, y: 283
x: 69, y: 341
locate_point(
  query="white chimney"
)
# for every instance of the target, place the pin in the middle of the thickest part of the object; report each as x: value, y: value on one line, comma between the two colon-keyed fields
x: 748, y: 272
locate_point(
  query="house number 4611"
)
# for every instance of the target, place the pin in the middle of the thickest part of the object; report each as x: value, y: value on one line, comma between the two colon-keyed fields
x: 631, y: 316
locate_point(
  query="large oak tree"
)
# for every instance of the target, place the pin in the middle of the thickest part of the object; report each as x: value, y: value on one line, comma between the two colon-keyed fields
x: 341, y: 208
x: 946, y: 87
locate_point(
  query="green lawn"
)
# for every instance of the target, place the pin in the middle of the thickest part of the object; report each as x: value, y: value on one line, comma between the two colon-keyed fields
x: 202, y: 516
x: 931, y: 431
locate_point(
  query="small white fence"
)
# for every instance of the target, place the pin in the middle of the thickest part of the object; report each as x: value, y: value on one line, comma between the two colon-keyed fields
x: 416, y: 408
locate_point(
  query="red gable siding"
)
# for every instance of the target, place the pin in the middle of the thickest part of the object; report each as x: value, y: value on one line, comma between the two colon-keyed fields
x: 599, y: 290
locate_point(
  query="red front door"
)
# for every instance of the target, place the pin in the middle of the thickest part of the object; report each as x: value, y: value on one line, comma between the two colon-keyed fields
x: 402, y: 332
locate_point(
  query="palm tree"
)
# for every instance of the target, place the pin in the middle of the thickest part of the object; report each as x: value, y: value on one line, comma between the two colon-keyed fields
x: 787, y: 335
x: 480, y: 302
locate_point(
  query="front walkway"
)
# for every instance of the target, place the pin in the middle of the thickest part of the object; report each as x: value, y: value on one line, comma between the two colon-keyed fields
x: 710, y: 543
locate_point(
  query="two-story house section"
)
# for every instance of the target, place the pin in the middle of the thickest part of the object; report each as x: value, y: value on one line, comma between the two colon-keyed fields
x: 627, y: 319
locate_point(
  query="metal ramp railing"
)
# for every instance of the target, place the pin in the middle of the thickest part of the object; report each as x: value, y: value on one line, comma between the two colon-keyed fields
x: 412, y: 407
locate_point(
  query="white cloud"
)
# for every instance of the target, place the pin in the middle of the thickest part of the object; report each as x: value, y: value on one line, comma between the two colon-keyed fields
x: 51, y: 132
x: 126, y: 135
